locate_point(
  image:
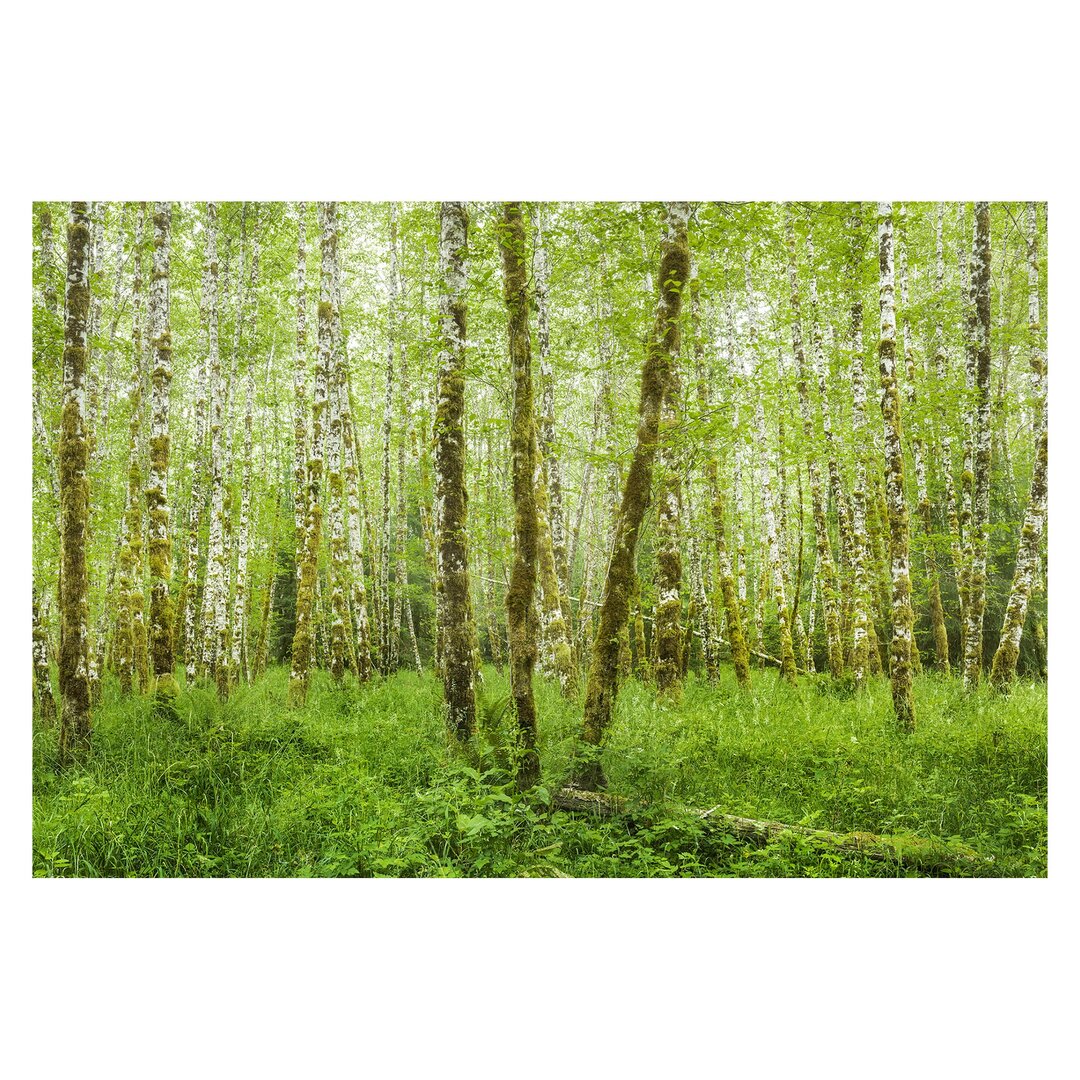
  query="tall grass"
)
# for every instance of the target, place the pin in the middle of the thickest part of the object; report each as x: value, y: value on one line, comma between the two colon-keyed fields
x: 364, y: 781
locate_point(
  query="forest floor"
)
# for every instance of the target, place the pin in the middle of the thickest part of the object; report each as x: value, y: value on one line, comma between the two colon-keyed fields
x: 363, y: 781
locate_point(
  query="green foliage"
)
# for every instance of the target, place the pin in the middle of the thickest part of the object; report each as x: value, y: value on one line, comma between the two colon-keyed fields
x: 363, y: 781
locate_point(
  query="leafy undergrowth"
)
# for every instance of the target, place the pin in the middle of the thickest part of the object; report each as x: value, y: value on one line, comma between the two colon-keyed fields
x: 363, y: 782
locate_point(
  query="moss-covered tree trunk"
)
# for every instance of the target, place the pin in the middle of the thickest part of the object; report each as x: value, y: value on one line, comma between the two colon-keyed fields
x: 667, y: 612
x: 157, y: 488
x: 454, y: 607
x: 602, y: 686
x: 74, y: 494
x: 979, y: 360
x: 1003, y: 671
x: 304, y: 637
x: 902, y: 618
x: 740, y: 656
x: 554, y: 634
x: 520, y: 618
x: 300, y: 433
x: 546, y: 434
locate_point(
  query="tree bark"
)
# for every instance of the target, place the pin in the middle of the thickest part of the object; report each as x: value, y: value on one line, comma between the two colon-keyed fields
x: 454, y: 604
x: 902, y: 618
x: 1003, y: 671
x: 602, y: 686
x: 75, y: 722
x: 979, y: 359
x: 157, y: 490
x: 520, y: 619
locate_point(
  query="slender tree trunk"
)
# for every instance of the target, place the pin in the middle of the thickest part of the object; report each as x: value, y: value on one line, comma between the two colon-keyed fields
x: 1003, y: 671
x: 44, y: 703
x: 74, y: 494
x: 300, y: 433
x: 357, y: 515
x: 547, y: 413
x: 130, y: 648
x: 406, y: 438
x: 157, y: 491
x: 979, y: 353
x: 667, y: 612
x: 187, y: 623
x: 520, y: 617
x: 825, y: 567
x: 389, y: 645
x: 304, y: 638
x: 602, y: 686
x: 740, y: 657
x: 553, y: 630
x: 335, y: 484
x: 902, y: 618
x: 772, y: 531
x: 216, y: 593
x: 454, y: 609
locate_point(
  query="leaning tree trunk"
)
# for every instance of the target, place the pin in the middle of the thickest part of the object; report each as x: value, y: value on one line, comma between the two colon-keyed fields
x: 602, y: 686
x: 74, y: 495
x: 454, y: 608
x: 1003, y: 671
x: 157, y: 490
x: 979, y: 346
x: 902, y: 617
x: 304, y: 636
x: 520, y: 617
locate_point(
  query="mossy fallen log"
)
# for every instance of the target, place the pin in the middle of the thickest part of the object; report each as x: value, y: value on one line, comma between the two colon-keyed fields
x: 927, y: 853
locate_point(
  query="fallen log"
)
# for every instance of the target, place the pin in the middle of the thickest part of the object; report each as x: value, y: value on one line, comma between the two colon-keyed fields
x: 922, y: 852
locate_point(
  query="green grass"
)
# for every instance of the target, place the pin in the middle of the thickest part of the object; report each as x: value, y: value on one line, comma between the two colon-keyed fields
x: 364, y: 781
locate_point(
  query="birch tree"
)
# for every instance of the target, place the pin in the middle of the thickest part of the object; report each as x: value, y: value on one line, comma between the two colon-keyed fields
x: 979, y: 361
x: 1003, y: 671
x: 902, y: 617
x: 157, y: 489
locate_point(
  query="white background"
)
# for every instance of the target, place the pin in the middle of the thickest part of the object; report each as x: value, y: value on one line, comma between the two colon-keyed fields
x: 537, y: 978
